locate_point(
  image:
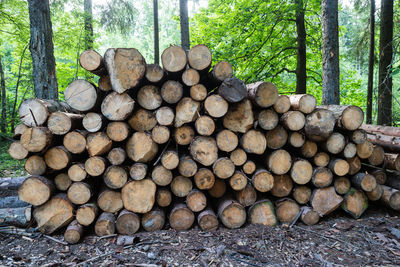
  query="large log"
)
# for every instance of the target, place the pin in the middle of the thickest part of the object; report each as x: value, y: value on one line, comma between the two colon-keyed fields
x: 335, y: 143
x: 264, y: 94
x: 233, y: 90
x: 347, y: 117
x: 199, y: 57
x: 277, y: 137
x: 36, y: 190
x: 204, y: 125
x: 86, y: 214
x: 79, y: 193
x: 187, y: 167
x: 325, y: 200
x: 319, y: 124
x: 305, y: 103
x: 77, y: 172
x: 170, y: 159
x: 198, y: 92
x: 293, y: 120
x: 301, y: 171
x: 181, y: 218
x: 61, y: 123
x: 283, y: 186
x: 216, y: 106
x: 141, y: 148
x: 196, y: 200
x: 279, y: 161
x: 181, y: 186
x: 296, y: 139
x: 302, y: 194
x: 204, y: 179
x: 35, y: 165
x: 186, y: 111
x: 139, y: 196
x: 249, y: 167
x: 309, y: 149
x: 161, y: 134
x: 190, y: 77
x: 309, y: 216
x: 227, y: 140
x: 17, y: 150
x: 262, y: 180
x: 238, y: 156
x: 238, y: 181
x: 355, y: 203
x: 142, y: 120
x: 287, y: 210
x: 117, y: 107
x: 184, y: 135
x: 262, y: 212
x: 378, y: 156
x: 154, y: 73
x: 254, y: 142
x: 16, y: 216
x: 95, y: 166
x: 282, y: 104
x: 239, y: 117
x: 98, y: 144
x: 118, y: 131
x: 110, y: 200
x: 161, y: 176
x: 172, y: 91
x: 231, y: 213
x: 57, y: 158
x: 321, y: 159
x: 62, y: 181
x: 165, y: 116
x: 81, y: 95
x: 322, y: 177
x: 138, y: 171
x: 163, y: 197
x: 223, y: 168
x: 204, y: 150
x: 116, y: 156
x: 149, y: 97
x: 115, y: 177
x: 75, y: 141
x: 93, y: 122
x: 36, y: 139
x: 34, y: 112
x: 342, y: 185
x: 174, y: 59
x: 268, y: 119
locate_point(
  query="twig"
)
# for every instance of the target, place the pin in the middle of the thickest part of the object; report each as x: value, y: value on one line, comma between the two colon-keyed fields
x: 162, y: 153
x: 56, y: 240
x: 297, y: 218
x: 94, y: 258
x: 33, y: 116
x: 106, y: 236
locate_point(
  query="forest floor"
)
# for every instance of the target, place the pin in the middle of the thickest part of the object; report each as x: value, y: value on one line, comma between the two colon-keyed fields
x: 337, y: 240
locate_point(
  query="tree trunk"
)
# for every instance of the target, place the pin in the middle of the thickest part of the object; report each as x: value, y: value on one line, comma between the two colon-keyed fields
x: 3, y: 125
x: 385, y: 64
x: 301, y: 72
x: 156, y: 33
x: 41, y: 47
x: 330, y: 52
x: 371, y: 60
x: 184, y: 18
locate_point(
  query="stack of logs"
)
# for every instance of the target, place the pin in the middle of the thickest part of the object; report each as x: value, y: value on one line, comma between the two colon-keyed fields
x: 150, y: 147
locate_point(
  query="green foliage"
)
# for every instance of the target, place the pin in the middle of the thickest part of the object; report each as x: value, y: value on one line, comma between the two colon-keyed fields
x: 9, y: 166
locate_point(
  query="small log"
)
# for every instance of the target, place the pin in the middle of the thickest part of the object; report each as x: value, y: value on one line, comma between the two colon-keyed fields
x: 325, y: 200
x: 364, y: 181
x: 296, y: 139
x: 105, y: 224
x: 115, y: 177
x: 117, y: 107
x: 165, y: 116
x: 262, y: 212
x: 118, y: 131
x: 305, y: 103
x: 187, y: 167
x: 19, y: 130
x: 198, y: 92
x: 174, y: 59
x: 232, y: 90
x: 36, y: 190
x: 95, y: 166
x: 321, y: 159
x: 161, y: 134
x: 268, y: 119
x: 116, y: 156
x: 389, y: 143
x: 347, y: 117
x: 98, y: 144
x: 204, y: 125
x: 379, y: 129
x: 186, y: 111
x: 282, y: 104
x: 254, y: 142
x: 181, y: 218
x: 335, y: 143
x: 141, y: 148
x: 81, y: 95
x: 354, y: 165
x: 378, y: 156
x: 92, y: 61
x: 221, y: 71
x: 238, y: 181
x: 375, y: 194
x: 391, y: 197
x: 62, y: 182
x: 149, y: 97
x: 20, y: 216
x: 302, y: 194
x: 227, y: 140
x: 204, y: 150
x: 77, y: 172
x: 218, y: 189
x: 277, y: 137
x: 161, y: 176
x: 200, y: 57
x: 184, y: 135
x: 170, y: 159
x: 181, y: 186
x: 138, y: 171
x: 287, y: 210
x: 127, y: 223
x: 342, y: 185
x: 153, y: 220
x: 339, y: 167
x: 35, y: 165
x: 283, y: 186
x: 279, y: 162
x: 87, y: 213
x: 139, y: 196
x: 172, y: 91
x: 190, y: 77
x: 93, y: 122
x: 301, y: 172
x: 36, y: 139
x: 249, y: 167
x: 264, y: 94
x: 309, y: 149
x: 110, y: 201
x: 293, y: 120
x: 207, y: 220
x: 322, y: 177
x: 57, y: 158
x: 196, y: 200
x: 247, y: 196
x: 204, y: 179
x: 154, y: 73
x: 319, y: 124
x: 239, y: 117
x: 74, y: 232
x: 60, y: 123
x: 355, y: 203
x: 142, y: 120
x: 34, y: 112
x: 75, y: 142
x: 79, y: 193
x: 223, y: 168
x: 231, y: 213
x: 125, y: 66
x: 262, y: 180
x: 392, y: 161
x: 349, y: 151
x: 216, y: 106
x: 393, y: 180
x: 309, y: 216
x: 163, y: 197
x: 238, y: 156
x: 104, y: 83
x: 358, y: 136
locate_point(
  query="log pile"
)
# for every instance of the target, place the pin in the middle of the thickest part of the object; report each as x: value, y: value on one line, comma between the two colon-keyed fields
x: 188, y: 144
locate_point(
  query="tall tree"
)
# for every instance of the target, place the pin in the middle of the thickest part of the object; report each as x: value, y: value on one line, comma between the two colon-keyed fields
x: 385, y: 63
x: 87, y: 8
x: 156, y: 33
x: 41, y: 47
x: 301, y: 70
x: 371, y: 61
x: 3, y: 125
x: 184, y: 18
x: 330, y: 52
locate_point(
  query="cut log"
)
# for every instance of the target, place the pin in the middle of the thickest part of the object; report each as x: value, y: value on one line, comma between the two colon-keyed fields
x: 57, y: 158
x: 379, y: 129
x: 347, y: 117
x: 125, y: 66
x: 165, y: 116
x: 247, y: 196
x: 142, y: 120
x: 301, y: 171
x: 98, y: 144
x: 127, y: 223
x: 141, y: 148
x: 190, y: 77
x: 322, y: 177
x: 75, y: 142
x: 349, y: 151
x: 74, y: 232
x: 104, y: 83
x: 254, y: 142
x: 221, y: 71
x: 170, y: 159
x: 204, y: 179
x: 309, y: 149
x: 204, y: 150
x: 389, y: 143
x: 116, y: 156
x: 339, y: 167
x: 239, y: 117
x: 187, y: 110
x: 79, y: 193
x: 321, y: 159
x: 375, y: 194
x: 279, y: 162
x: 117, y: 131
x: 93, y: 122
x: 378, y: 156
x: 238, y: 156
x: 139, y: 196
x: 36, y: 139
x: 380, y: 176
x: 282, y: 104
x: 268, y: 119
x: 181, y: 218
x: 184, y: 135
x: 218, y: 189
x: 35, y: 165
x: 87, y: 213
x: 309, y: 216
x: 161, y: 176
x: 392, y: 161
x: 249, y: 167
x: 238, y: 181
x: 207, y: 220
x: 199, y: 57
x: 277, y: 137
x: 20, y: 216
x: 34, y: 112
x: 153, y: 220
x: 264, y: 94
x: 262, y: 180
x: 163, y: 197
x: 187, y: 167
x: 305, y: 103
x: 105, y: 224
x: 325, y: 200
x: 283, y: 186
x: 293, y: 120
x: 95, y: 166
x: 174, y: 59
x: 196, y: 200
x: 172, y: 91
x: 335, y: 143
x: 92, y: 61
x: 354, y: 165
x: 262, y: 212
x: 391, y: 197
x: 54, y: 214
x: 287, y: 210
x: 181, y: 186
x: 110, y: 201
x: 319, y: 124
x: 231, y: 213
x: 204, y: 125
x: 77, y: 172
x: 160, y: 134
x: 364, y: 181
x: 227, y: 140
x: 61, y: 123
x: 198, y: 92
x: 19, y: 130
x: 138, y: 171
x: 149, y: 97
x: 81, y: 95
x: 154, y: 73
x: 232, y: 90
x: 216, y: 106
x: 115, y: 177
x: 296, y: 139
x: 62, y: 182
x: 36, y: 190
x: 223, y: 168
x: 358, y: 136
x: 342, y: 185
x: 117, y: 107
x: 355, y: 203
x: 302, y: 194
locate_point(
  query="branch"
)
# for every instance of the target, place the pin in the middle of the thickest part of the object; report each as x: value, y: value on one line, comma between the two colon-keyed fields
x: 282, y: 70
x: 312, y: 77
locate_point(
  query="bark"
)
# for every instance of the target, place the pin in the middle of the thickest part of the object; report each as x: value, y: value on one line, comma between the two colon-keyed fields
x: 3, y: 125
x: 156, y: 33
x: 371, y: 60
x: 184, y: 19
x: 301, y: 72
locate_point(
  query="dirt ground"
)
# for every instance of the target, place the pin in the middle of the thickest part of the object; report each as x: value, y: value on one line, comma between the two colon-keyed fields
x: 338, y: 240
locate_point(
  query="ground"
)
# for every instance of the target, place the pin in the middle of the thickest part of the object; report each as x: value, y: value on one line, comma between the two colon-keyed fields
x: 338, y: 240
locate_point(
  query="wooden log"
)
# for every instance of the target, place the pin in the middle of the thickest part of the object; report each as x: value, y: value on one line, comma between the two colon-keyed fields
x: 118, y: 131
x: 153, y: 220
x: 125, y: 66
x: 184, y: 135
x: 380, y: 176
x: 349, y: 151
x: 355, y: 203
x: 127, y: 223
x: 54, y: 214
x: 75, y: 141
x: 254, y: 142
x: 98, y: 144
x: 239, y: 116
x: 187, y: 110
x: 279, y: 162
x: 36, y: 139
x: 293, y: 120
x: 392, y: 161
x: 393, y: 180
x: 87, y: 213
x: 181, y: 218
x: 347, y: 117
x: 238, y: 156
x: 231, y: 213
x: 105, y: 224
x: 161, y: 176
x: 92, y: 61
x: 264, y: 94
x: 170, y: 159
x: 335, y: 143
x: 319, y: 124
x: 198, y: 92
x: 139, y: 196
x: 81, y: 95
x: 95, y: 166
x: 287, y: 210
x: 57, y: 158
x: 199, y: 57
x: 196, y: 200
x: 149, y: 97
x: 142, y: 120
x: 60, y: 123
x: 296, y: 139
x: 161, y: 134
x: 181, y: 186
x: 325, y: 200
x: 304, y: 103
x: 354, y: 165
x: 309, y: 216
x: 238, y: 181
x: 339, y: 167
x: 204, y: 150
x: 364, y: 181
x: 174, y: 59
x: 249, y: 167
x: 227, y: 140
x: 247, y: 196
x: 172, y: 91
x: 19, y: 130
x: 277, y: 137
x: 322, y: 177
x: 165, y: 116
x: 223, y: 168
x: 74, y: 232
x: 190, y: 77
x: 163, y: 197
x: 321, y: 159
x: 104, y: 83
x: 302, y: 194
x: 77, y: 172
x: 110, y: 201
x: 187, y: 167
x: 20, y: 216
x: 309, y: 149
x: 262, y: 212
x: 391, y: 197
x: 93, y: 122
x: 204, y: 179
x: 141, y: 148
x: 79, y: 193
x: 262, y: 180
x: 268, y: 119
x: 358, y: 136
x: 154, y: 73
x: 116, y: 156
x: 342, y: 185
x: 221, y: 71
x: 138, y: 171
x: 375, y: 194
x: 207, y: 220
x: 301, y: 171
x: 117, y: 107
x: 216, y: 106
x: 389, y: 143
x: 218, y: 189
x: 204, y: 125
x: 379, y: 129
x: 34, y: 112
x: 36, y: 190
x: 35, y: 165
x: 232, y: 90
x: 115, y: 177
x: 62, y: 182
x: 378, y: 156
x: 282, y: 104
x: 283, y: 186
